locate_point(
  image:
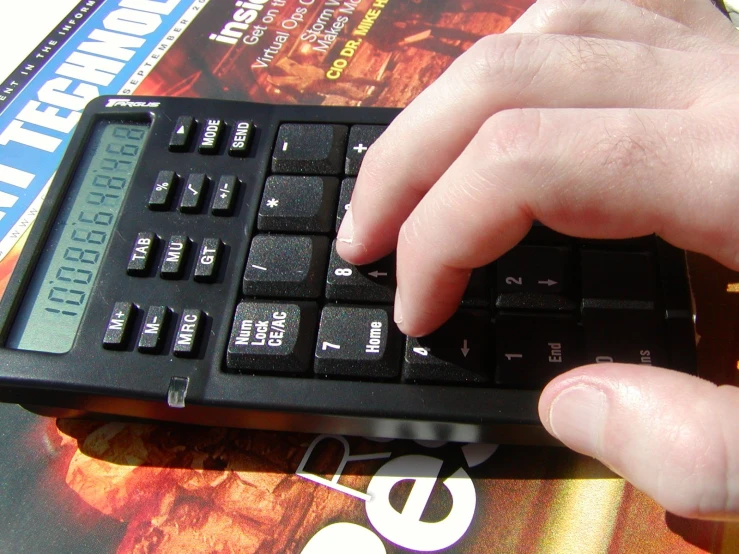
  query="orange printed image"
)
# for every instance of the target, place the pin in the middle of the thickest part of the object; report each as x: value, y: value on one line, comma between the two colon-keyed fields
x: 354, y: 52
x: 175, y: 489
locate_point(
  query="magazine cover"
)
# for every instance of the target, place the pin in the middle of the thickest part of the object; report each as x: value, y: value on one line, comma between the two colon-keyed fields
x: 94, y: 486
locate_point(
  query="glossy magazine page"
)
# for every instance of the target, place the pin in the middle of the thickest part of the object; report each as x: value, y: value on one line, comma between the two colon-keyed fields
x: 92, y: 486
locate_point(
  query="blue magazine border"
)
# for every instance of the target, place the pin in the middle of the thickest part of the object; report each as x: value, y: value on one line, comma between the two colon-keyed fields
x: 98, y: 55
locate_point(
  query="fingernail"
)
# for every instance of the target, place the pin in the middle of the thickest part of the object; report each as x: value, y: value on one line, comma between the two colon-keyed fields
x: 398, y: 312
x: 346, y: 231
x: 577, y: 417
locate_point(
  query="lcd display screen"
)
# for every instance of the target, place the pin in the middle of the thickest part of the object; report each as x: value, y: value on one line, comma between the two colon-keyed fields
x: 60, y: 288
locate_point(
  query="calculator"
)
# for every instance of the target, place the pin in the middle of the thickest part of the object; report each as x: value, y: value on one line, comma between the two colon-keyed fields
x: 183, y: 268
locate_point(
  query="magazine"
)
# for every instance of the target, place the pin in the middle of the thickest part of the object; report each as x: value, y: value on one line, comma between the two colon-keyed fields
x: 96, y: 486
x: 337, y: 52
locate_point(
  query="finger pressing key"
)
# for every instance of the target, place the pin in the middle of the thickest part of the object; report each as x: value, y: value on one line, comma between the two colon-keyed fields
x: 587, y: 173
x: 503, y: 72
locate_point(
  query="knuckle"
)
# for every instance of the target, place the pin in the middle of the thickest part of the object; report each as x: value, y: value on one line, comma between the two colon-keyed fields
x: 583, y: 54
x: 629, y: 143
x: 511, y: 146
x: 516, y: 61
x: 497, y: 60
x: 509, y: 137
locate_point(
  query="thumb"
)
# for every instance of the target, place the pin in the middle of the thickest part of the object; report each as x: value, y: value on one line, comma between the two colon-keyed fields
x: 674, y: 436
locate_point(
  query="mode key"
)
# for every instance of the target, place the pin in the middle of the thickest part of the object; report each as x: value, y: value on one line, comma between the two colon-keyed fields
x: 211, y: 136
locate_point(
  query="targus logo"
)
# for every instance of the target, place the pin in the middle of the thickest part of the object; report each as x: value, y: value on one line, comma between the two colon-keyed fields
x: 128, y: 103
x: 242, y: 18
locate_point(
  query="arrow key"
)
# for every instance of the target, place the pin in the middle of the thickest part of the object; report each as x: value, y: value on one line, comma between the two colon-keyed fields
x: 181, y: 134
x: 535, y: 278
x: 459, y: 352
x: 373, y: 282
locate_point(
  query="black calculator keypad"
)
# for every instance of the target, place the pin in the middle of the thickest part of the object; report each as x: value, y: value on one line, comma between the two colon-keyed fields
x: 550, y: 304
x: 221, y: 298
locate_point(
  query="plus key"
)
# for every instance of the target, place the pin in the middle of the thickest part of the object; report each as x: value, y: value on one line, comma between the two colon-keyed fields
x: 361, y: 137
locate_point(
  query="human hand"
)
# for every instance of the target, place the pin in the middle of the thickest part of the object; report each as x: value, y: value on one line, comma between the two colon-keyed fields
x: 601, y: 119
